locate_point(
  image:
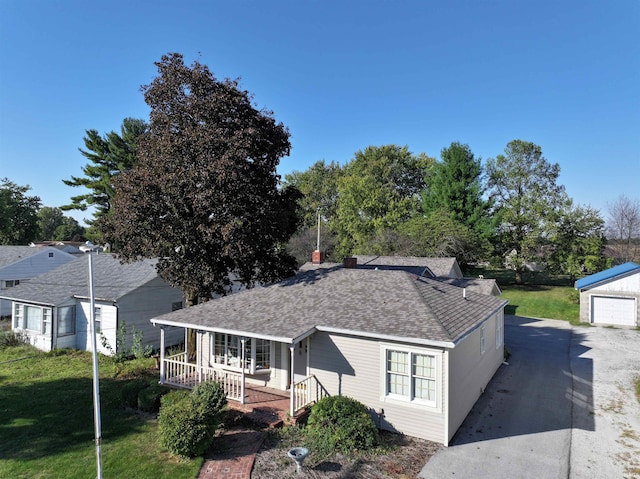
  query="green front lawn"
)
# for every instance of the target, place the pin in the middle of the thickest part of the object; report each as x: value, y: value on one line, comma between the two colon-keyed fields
x: 551, y: 302
x: 47, y: 427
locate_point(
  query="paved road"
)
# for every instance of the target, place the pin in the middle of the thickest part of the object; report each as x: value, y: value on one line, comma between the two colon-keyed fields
x: 524, y: 424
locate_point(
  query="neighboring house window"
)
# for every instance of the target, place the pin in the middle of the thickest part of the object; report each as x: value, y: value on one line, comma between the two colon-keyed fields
x: 227, y: 352
x: 411, y: 376
x: 176, y: 306
x: 482, y: 340
x: 66, y: 320
x: 50, y: 254
x: 97, y: 318
x: 10, y: 283
x: 32, y: 318
x: 499, y: 330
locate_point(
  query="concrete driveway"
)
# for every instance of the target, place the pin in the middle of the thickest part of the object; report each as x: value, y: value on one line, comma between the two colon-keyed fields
x: 564, y: 407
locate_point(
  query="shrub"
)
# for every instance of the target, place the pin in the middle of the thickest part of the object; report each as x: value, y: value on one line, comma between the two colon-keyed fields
x: 210, y: 397
x: 9, y: 339
x: 130, y: 390
x: 340, y: 424
x: 573, y: 296
x: 173, y: 397
x: 183, y: 430
x: 149, y: 397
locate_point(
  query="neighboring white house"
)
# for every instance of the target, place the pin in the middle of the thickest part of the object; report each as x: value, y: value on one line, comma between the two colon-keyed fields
x: 53, y: 309
x: 611, y: 296
x: 417, y: 351
x: 19, y: 264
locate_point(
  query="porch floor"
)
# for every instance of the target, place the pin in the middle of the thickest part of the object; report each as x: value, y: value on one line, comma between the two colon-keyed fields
x: 265, y: 405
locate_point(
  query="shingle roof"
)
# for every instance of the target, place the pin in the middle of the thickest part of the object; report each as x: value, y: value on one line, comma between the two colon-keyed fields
x: 11, y: 254
x: 606, y: 275
x: 375, y: 303
x: 440, y: 267
x: 479, y: 285
x: 111, y: 280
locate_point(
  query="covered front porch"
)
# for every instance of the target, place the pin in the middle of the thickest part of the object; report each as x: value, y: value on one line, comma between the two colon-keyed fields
x: 236, y: 362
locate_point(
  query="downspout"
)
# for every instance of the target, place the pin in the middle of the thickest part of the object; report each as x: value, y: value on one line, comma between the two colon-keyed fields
x: 292, y: 348
x: 445, y: 406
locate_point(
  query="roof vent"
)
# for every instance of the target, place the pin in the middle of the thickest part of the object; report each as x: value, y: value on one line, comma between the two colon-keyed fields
x: 464, y: 293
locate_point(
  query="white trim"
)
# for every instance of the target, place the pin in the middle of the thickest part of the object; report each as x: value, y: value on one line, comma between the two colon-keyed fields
x: 408, y: 401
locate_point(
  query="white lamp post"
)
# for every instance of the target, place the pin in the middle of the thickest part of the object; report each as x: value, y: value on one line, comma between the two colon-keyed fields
x: 96, y: 386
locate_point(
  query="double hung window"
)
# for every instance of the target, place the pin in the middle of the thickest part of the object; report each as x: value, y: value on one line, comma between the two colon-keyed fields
x: 66, y: 320
x: 411, y: 376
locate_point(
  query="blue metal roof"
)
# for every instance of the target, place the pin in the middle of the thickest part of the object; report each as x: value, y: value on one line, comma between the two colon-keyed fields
x: 607, y: 274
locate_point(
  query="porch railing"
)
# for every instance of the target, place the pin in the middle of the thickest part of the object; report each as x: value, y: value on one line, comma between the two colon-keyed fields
x: 307, y: 391
x: 179, y: 373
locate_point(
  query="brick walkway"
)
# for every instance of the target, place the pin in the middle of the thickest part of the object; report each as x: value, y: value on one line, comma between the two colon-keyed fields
x: 239, y: 447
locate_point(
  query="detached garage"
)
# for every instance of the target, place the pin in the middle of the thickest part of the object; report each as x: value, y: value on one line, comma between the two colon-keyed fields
x: 612, y: 296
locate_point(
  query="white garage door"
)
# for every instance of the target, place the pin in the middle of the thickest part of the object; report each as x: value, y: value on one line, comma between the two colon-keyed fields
x: 611, y: 310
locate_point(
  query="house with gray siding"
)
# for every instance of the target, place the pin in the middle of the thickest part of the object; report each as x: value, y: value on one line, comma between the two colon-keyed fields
x: 19, y: 264
x: 418, y: 352
x: 53, y: 309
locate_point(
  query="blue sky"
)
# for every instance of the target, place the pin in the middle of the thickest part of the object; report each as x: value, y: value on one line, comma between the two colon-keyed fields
x: 342, y: 75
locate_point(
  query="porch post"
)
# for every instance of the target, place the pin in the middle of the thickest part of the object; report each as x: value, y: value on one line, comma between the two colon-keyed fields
x: 186, y: 345
x: 242, y: 366
x: 162, y: 372
x: 199, y: 354
x: 292, y: 349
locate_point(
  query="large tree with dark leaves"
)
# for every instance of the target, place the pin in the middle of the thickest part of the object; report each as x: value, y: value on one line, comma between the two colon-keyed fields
x: 108, y: 156
x: 18, y: 213
x: 204, y: 194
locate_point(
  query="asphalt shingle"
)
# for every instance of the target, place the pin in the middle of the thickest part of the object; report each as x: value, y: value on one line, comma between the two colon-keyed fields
x: 378, y: 303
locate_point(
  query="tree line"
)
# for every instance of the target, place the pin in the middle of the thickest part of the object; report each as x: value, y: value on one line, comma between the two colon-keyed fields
x: 196, y: 185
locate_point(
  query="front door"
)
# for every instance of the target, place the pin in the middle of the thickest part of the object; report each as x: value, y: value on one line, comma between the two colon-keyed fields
x: 300, y: 361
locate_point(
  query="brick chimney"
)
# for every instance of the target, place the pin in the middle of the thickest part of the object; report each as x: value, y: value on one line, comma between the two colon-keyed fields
x: 351, y: 262
x: 317, y: 257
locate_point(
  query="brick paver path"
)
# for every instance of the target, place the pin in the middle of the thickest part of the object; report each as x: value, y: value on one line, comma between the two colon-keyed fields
x: 235, y: 461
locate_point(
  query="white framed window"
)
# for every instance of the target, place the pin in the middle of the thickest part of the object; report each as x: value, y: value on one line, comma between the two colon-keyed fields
x: 411, y: 376
x: 32, y: 318
x: 66, y: 320
x: 227, y: 352
x: 10, y: 283
x: 499, y: 330
x: 482, y: 340
x: 97, y: 318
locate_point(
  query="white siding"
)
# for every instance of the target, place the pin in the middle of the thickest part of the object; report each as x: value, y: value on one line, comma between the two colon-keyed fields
x: 148, y: 301
x: 30, y: 267
x: 626, y: 288
x: 470, y: 371
x: 108, y: 325
x: 355, y: 367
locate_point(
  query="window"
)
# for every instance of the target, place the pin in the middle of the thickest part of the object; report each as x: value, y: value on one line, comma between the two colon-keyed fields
x: 227, y: 352
x: 33, y: 318
x: 411, y: 376
x: 66, y: 320
x: 97, y: 318
x: 10, y: 283
x: 499, y: 330
x: 482, y: 340
x: 176, y: 306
